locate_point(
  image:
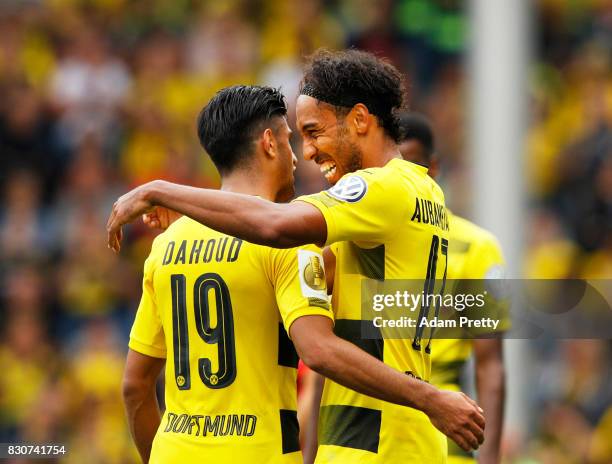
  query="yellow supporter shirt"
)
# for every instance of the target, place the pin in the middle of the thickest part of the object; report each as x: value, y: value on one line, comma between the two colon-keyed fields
x: 390, y: 223
x: 219, y: 310
x: 474, y: 253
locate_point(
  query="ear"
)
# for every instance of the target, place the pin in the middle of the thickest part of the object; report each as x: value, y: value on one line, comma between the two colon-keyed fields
x: 360, y: 118
x: 268, y: 143
x: 434, y: 166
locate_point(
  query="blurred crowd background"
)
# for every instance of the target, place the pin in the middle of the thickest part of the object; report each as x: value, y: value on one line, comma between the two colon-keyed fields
x: 98, y: 96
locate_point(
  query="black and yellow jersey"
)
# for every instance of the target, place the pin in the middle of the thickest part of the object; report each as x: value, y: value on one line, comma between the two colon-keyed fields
x: 219, y: 310
x: 386, y: 223
x: 473, y: 253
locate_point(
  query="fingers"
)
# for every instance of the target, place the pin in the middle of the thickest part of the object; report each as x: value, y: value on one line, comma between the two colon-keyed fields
x: 462, y: 443
x: 467, y: 440
x: 465, y: 424
x: 480, y: 419
x: 477, y: 431
x: 162, y: 216
x: 113, y: 229
x: 476, y: 425
x: 477, y: 416
x: 151, y: 220
x: 470, y: 439
x: 472, y: 402
x: 111, y: 217
x: 114, y: 239
x: 126, y: 208
x: 471, y: 434
x: 117, y: 235
x: 156, y: 219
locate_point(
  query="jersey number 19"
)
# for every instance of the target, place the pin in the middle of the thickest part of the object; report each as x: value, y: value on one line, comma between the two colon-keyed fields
x: 222, y: 334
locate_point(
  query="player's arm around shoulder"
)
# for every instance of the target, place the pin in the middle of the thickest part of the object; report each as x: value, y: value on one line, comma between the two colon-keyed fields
x: 242, y: 216
x: 364, y: 206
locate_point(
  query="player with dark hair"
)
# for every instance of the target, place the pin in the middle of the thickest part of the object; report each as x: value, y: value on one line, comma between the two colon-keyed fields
x: 229, y: 123
x: 246, y: 353
x: 346, y: 115
x: 474, y: 253
x: 416, y: 141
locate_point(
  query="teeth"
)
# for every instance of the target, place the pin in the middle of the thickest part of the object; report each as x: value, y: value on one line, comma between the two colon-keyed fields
x: 328, y: 168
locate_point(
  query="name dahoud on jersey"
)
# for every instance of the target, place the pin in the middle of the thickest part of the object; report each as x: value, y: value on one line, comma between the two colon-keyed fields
x: 430, y: 212
x: 220, y: 249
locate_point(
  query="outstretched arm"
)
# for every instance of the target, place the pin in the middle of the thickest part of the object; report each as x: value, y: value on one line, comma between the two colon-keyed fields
x: 243, y: 216
x: 455, y: 414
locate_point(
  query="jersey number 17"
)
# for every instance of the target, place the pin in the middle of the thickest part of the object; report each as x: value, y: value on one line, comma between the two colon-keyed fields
x: 428, y: 289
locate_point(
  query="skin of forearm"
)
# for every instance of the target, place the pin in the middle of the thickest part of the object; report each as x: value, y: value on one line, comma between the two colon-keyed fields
x: 143, y: 418
x: 490, y: 382
x: 311, y: 442
x: 243, y: 216
x: 351, y: 367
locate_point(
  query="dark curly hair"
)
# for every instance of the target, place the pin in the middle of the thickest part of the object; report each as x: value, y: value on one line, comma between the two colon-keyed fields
x: 343, y: 79
x: 231, y: 120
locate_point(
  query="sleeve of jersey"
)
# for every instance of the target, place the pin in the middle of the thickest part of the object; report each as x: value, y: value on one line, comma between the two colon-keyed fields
x: 361, y: 207
x: 147, y: 335
x: 299, y: 284
x: 488, y: 264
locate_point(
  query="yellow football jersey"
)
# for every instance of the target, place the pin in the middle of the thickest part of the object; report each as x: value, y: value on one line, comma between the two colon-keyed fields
x: 390, y: 223
x: 219, y: 310
x: 473, y: 253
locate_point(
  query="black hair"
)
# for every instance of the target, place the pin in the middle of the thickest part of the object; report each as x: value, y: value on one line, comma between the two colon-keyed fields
x: 343, y: 79
x: 414, y: 126
x: 230, y: 121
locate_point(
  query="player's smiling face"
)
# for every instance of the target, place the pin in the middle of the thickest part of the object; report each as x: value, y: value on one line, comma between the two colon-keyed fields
x: 326, y: 139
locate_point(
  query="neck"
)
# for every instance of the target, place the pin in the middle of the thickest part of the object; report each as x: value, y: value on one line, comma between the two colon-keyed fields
x: 379, y: 150
x: 248, y: 183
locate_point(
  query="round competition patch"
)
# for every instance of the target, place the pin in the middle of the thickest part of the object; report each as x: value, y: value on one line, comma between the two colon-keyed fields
x: 350, y: 189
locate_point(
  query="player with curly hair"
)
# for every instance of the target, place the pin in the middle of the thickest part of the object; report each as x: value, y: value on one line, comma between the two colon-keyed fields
x: 386, y: 220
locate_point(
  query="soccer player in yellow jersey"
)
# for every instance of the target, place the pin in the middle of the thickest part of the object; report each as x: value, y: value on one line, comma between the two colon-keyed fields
x: 474, y: 253
x: 218, y: 310
x: 387, y: 217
